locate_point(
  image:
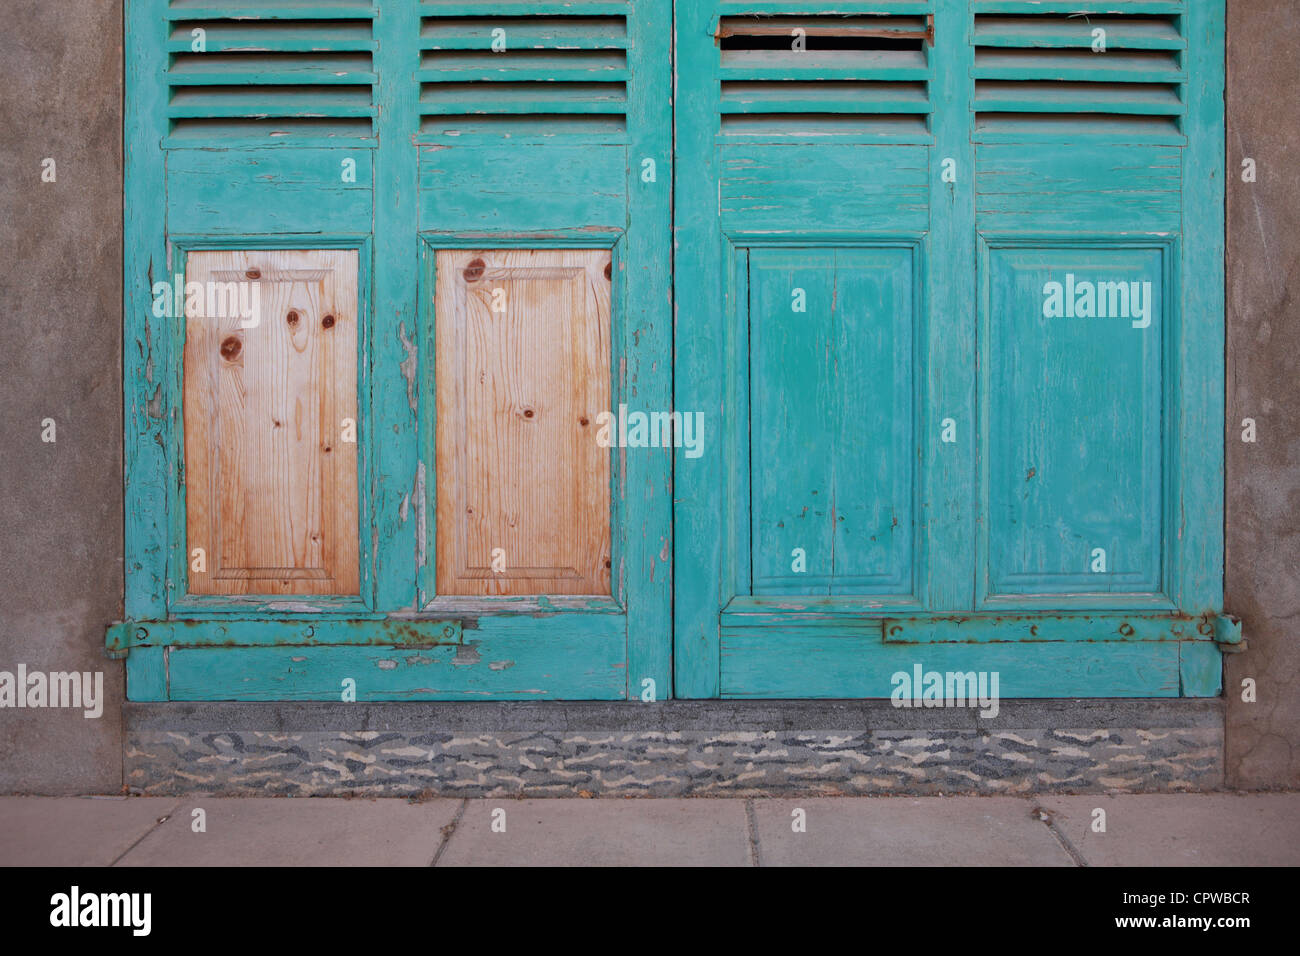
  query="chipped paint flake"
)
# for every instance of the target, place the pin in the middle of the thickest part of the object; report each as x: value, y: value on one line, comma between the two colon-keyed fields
x: 467, y: 655
x: 409, y: 365
x: 421, y: 535
x: 155, y: 402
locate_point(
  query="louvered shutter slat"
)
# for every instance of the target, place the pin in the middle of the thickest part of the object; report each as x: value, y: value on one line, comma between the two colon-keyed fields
x: 802, y: 97
x: 1127, y: 33
x: 270, y: 70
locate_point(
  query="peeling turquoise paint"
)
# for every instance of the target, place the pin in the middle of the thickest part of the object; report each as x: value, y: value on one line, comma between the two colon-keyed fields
x: 357, y: 163
x: 944, y: 214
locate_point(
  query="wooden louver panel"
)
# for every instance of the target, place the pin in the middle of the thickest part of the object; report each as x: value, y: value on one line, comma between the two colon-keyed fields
x: 1115, y: 68
x: 522, y: 367
x: 825, y: 72
x: 511, y: 68
x: 271, y: 68
x: 270, y: 462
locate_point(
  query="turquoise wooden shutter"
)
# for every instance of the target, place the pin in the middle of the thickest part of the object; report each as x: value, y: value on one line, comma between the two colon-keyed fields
x: 950, y: 274
x: 401, y: 131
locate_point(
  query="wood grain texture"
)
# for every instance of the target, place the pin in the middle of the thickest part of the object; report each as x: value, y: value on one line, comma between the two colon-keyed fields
x: 831, y: 399
x: 271, y: 486
x: 522, y: 369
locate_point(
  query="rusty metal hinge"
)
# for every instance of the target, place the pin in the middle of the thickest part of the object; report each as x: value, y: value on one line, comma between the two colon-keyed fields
x: 1226, y: 631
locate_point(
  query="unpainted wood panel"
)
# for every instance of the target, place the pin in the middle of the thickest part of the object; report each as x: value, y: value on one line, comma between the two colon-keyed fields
x: 270, y: 377
x: 522, y: 353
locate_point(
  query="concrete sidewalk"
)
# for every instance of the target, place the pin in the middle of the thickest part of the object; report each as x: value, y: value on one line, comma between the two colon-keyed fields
x: 1220, y: 829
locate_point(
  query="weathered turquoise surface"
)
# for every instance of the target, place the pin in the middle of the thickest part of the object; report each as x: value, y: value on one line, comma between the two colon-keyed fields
x: 973, y: 479
x: 1040, y: 459
x: 386, y: 127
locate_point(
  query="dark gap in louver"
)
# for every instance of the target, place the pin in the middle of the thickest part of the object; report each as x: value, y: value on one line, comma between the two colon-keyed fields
x: 814, y: 42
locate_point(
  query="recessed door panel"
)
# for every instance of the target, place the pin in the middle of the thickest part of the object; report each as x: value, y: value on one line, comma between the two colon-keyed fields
x: 831, y: 415
x: 271, y: 422
x: 522, y: 351
x: 1074, y: 397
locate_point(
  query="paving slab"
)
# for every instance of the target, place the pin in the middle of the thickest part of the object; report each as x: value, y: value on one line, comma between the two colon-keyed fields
x: 75, y: 831
x: 897, y: 831
x: 1191, y: 829
x: 302, y: 831
x: 568, y: 832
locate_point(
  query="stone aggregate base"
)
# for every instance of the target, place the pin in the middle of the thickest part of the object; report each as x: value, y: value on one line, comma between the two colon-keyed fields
x: 682, y: 748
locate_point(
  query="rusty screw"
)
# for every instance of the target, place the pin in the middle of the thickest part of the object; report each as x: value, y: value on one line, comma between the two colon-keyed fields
x: 474, y: 271
x: 327, y: 322
x: 230, y: 348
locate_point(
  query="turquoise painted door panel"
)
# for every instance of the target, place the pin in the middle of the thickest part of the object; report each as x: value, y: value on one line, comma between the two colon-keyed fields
x: 831, y: 412
x: 1073, y: 402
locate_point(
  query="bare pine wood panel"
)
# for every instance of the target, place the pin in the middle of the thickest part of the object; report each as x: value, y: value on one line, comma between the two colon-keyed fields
x: 271, y: 486
x: 518, y: 392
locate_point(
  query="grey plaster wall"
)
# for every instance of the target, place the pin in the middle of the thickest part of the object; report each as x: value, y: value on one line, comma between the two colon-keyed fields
x: 1263, y: 482
x: 60, y: 292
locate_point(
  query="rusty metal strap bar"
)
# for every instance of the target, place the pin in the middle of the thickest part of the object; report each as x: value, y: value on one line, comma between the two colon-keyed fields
x: 1098, y: 627
x: 124, y: 635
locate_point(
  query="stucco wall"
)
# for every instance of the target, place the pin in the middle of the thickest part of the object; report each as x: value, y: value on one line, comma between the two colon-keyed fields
x: 61, y: 295
x: 1263, y: 481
